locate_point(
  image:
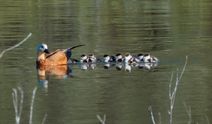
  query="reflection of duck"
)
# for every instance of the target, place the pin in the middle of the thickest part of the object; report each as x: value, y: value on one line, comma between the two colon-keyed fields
x: 147, y: 66
x: 58, y: 57
x: 127, y: 67
x: 119, y: 66
x: 86, y: 66
x: 60, y: 71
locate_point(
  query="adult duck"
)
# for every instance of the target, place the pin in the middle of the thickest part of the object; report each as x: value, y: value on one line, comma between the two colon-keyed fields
x: 58, y: 57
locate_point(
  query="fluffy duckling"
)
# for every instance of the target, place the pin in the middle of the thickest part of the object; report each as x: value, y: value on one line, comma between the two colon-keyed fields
x: 128, y: 58
x: 119, y: 58
x: 107, y: 58
x: 91, y: 58
x: 83, y: 58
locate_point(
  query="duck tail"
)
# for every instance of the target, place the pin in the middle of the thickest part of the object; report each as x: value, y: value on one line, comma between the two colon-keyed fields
x: 68, y: 51
x: 76, y: 46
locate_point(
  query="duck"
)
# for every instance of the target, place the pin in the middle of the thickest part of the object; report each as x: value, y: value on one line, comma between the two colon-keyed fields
x: 92, y: 58
x: 58, y: 57
x: 119, y: 57
x: 128, y: 58
x: 146, y: 58
x: 107, y: 58
x: 139, y: 58
x: 83, y: 58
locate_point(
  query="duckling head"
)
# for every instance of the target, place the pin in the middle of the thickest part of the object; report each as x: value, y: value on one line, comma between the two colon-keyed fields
x: 127, y: 58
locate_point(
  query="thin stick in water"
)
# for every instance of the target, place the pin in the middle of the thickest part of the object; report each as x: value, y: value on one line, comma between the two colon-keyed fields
x: 188, y: 111
x: 172, y: 94
x: 44, y: 119
x: 102, y: 121
x: 152, y: 115
x: 18, y: 104
x: 16, y: 45
x: 32, y: 104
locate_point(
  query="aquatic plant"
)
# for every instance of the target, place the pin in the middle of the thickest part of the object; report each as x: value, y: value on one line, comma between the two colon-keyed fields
x: 18, y: 104
x: 101, y: 120
x: 172, y: 94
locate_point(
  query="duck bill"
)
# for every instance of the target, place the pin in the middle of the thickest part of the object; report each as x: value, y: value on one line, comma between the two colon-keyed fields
x: 46, y: 51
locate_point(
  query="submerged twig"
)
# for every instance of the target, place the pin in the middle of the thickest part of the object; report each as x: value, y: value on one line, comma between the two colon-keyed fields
x: 44, y: 119
x: 152, y: 115
x: 188, y: 111
x: 32, y: 104
x: 172, y: 94
x: 102, y: 121
x: 207, y: 119
x: 16, y: 45
x: 18, y: 104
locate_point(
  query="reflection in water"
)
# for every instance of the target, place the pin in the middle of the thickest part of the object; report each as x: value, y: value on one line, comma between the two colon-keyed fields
x: 60, y: 72
x: 65, y: 71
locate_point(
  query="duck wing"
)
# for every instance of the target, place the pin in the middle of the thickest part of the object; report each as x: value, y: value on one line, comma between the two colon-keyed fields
x: 57, y: 57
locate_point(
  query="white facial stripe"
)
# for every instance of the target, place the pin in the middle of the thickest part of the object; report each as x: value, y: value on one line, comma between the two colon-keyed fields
x: 127, y: 58
x: 45, y: 46
x: 106, y: 59
x: 84, y: 58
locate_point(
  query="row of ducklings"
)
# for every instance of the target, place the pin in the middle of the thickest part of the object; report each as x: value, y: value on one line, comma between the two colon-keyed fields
x: 127, y: 58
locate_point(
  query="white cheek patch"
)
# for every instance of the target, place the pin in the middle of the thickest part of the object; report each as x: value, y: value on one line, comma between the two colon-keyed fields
x: 140, y: 57
x: 84, y: 58
x: 45, y: 46
x: 107, y: 59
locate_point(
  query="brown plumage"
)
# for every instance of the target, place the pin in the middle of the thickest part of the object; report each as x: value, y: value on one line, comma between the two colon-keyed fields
x: 58, y: 57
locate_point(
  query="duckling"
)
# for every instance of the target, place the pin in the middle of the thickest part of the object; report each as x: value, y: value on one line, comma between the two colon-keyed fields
x: 107, y: 58
x: 154, y: 59
x: 139, y: 58
x: 128, y: 58
x: 83, y: 58
x: 147, y: 58
x: 119, y: 57
x: 91, y: 58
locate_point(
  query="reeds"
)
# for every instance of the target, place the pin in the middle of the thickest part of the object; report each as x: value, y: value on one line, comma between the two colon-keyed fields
x: 172, y: 93
x: 18, y: 99
x: 101, y: 120
x: 18, y: 103
x: 32, y: 104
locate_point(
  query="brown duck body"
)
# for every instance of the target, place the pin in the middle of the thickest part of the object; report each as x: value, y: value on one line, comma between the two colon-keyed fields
x: 55, y: 58
x: 58, y: 57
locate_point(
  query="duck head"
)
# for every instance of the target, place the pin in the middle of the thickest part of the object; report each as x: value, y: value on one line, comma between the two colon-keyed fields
x: 42, y: 48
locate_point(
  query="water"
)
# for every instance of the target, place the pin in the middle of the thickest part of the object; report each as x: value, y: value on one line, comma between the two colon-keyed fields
x: 170, y: 30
